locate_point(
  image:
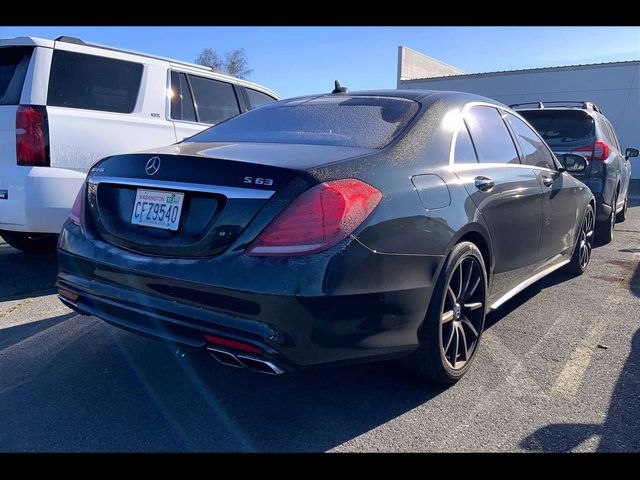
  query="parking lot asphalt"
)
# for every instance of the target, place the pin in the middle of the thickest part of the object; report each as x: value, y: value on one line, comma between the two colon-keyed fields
x: 558, y: 370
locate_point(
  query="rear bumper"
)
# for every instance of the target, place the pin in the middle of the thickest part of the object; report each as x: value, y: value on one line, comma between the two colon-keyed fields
x: 38, y: 199
x: 295, y: 320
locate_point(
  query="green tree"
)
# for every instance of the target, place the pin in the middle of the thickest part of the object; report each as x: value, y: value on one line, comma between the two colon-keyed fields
x: 234, y: 63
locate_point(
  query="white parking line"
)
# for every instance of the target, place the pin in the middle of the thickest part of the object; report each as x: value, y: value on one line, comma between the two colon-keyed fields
x: 570, y: 378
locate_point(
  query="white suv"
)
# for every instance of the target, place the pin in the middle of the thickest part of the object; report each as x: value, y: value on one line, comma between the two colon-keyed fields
x: 65, y: 104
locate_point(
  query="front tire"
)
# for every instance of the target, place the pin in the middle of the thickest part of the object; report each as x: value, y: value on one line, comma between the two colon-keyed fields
x: 31, y: 242
x: 584, y: 245
x: 451, y: 331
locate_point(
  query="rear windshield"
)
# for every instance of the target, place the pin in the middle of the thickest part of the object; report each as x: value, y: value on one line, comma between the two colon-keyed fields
x: 562, y: 128
x: 14, y: 62
x: 339, y: 120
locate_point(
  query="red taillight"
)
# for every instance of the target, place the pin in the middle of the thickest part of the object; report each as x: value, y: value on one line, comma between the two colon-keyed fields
x: 597, y: 151
x: 318, y: 219
x: 32, y: 136
x: 227, y: 342
x: 75, y: 215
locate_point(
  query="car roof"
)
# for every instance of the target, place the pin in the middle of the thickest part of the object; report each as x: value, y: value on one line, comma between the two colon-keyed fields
x: 418, y: 95
x: 192, y: 67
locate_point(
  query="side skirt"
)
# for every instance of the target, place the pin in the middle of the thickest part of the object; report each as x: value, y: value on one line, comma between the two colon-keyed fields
x: 528, y: 282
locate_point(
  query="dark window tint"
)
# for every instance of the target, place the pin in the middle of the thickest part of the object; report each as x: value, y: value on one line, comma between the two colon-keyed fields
x: 490, y: 136
x: 464, y: 151
x: 258, y: 98
x: 14, y: 62
x: 93, y: 83
x: 181, y: 101
x: 215, y: 101
x: 562, y: 129
x: 367, y: 122
x: 534, y: 151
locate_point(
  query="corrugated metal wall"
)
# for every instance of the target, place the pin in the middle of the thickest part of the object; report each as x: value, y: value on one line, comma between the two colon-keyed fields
x: 613, y: 87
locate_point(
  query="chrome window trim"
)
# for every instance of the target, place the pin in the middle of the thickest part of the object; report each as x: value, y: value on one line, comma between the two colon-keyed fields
x: 501, y: 109
x: 229, y: 192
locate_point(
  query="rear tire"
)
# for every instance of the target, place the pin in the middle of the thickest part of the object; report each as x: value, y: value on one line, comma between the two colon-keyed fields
x: 622, y: 216
x: 31, y: 242
x: 451, y: 331
x: 604, y: 230
x: 584, y: 245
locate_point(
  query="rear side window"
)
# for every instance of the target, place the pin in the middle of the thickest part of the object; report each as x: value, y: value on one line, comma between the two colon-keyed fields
x: 612, y: 135
x: 534, y: 151
x: 14, y: 62
x: 257, y: 98
x: 215, y: 101
x: 490, y: 136
x: 562, y: 129
x: 464, y: 151
x: 93, y: 83
x: 181, y: 101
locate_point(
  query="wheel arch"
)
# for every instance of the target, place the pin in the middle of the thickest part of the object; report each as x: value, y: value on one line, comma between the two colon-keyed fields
x: 477, y: 234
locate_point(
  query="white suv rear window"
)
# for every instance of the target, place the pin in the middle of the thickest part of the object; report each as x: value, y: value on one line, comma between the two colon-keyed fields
x: 14, y: 62
x: 93, y: 83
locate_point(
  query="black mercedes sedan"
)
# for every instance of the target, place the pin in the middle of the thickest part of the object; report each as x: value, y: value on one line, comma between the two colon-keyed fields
x: 329, y: 229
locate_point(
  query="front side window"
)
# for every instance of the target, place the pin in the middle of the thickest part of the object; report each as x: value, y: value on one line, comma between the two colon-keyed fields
x: 533, y: 149
x: 215, y: 101
x: 490, y: 136
x: 93, y: 83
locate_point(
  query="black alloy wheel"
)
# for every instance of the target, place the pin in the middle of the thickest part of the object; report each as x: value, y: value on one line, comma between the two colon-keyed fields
x: 462, y: 314
x: 584, y: 244
x: 450, y: 334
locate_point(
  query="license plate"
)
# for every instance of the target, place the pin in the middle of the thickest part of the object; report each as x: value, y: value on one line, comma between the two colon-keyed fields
x: 157, y: 209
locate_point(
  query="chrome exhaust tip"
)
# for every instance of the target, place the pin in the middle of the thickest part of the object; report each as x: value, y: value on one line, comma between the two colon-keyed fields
x: 259, y: 365
x: 225, y: 358
x: 240, y: 360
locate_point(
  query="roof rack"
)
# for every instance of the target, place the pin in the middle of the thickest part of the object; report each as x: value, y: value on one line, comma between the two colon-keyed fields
x: 78, y: 41
x: 562, y: 103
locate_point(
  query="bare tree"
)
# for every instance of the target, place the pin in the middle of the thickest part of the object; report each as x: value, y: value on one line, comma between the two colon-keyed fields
x: 235, y: 62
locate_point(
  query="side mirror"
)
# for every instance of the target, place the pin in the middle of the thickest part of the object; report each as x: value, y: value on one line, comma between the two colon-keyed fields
x: 631, y: 152
x: 574, y: 163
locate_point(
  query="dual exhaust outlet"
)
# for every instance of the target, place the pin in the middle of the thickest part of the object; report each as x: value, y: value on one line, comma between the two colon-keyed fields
x: 241, y: 360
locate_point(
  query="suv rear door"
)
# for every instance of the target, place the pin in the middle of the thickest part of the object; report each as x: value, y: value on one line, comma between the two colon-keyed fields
x: 622, y: 164
x: 102, y: 103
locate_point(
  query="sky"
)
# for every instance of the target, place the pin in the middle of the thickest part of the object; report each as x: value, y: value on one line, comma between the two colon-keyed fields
x: 304, y: 60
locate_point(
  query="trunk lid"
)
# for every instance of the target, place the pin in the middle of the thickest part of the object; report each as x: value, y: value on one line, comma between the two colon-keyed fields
x: 224, y: 187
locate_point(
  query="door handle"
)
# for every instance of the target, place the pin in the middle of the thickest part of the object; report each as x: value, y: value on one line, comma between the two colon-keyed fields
x: 484, y: 184
x: 547, y: 181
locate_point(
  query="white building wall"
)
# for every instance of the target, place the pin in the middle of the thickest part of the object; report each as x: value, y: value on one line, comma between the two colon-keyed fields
x: 613, y: 87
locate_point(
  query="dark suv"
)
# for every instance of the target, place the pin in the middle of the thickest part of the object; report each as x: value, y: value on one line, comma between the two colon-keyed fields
x: 581, y: 128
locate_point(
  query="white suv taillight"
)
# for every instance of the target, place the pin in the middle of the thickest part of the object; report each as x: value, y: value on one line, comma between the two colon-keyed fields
x: 318, y: 219
x: 32, y: 136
